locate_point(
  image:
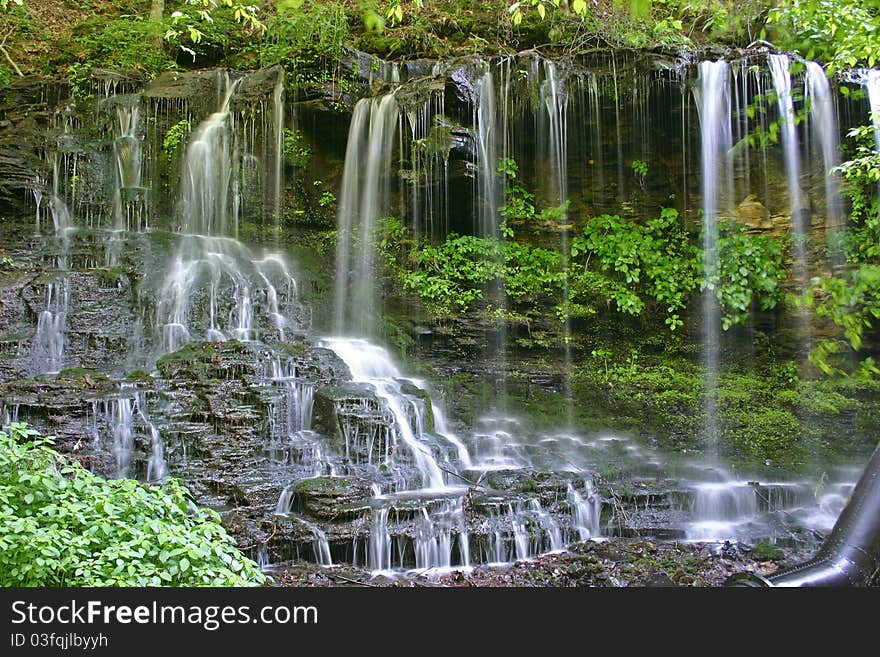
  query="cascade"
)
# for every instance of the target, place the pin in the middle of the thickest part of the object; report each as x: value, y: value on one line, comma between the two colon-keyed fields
x: 872, y: 83
x: 489, y: 194
x: 372, y: 364
x: 713, y: 104
x: 555, y: 100
x: 215, y: 288
x: 278, y: 155
x: 119, y: 425
x: 779, y: 70
x: 363, y: 200
x: 586, y: 510
x: 129, y: 207
x: 47, y: 349
x: 37, y: 191
x: 536, y: 481
x: 430, y: 145
x: 823, y: 123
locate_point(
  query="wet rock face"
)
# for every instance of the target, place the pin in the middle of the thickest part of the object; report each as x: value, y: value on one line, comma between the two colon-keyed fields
x: 355, y: 419
x: 25, y: 109
x: 331, y: 498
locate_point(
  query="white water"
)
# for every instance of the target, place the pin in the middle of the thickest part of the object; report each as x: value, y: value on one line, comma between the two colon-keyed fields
x: 872, y: 83
x: 38, y: 200
x: 586, y: 510
x: 215, y: 288
x: 554, y: 97
x: 47, y: 348
x: 278, y: 133
x: 716, y: 136
x: 823, y: 121
x: 489, y: 193
x: 122, y: 425
x: 363, y: 200
x: 371, y: 364
x: 779, y: 70
x: 127, y: 153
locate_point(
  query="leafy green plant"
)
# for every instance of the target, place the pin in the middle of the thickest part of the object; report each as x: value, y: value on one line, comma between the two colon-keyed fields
x: 861, y: 174
x: 296, y: 153
x: 842, y: 33
x: 851, y: 300
x: 200, y: 20
x: 640, y: 169
x: 749, y: 273
x: 454, y: 276
x: 519, y: 204
x: 302, y: 30
x: 630, y: 264
x: 174, y: 137
x: 61, y: 525
x: 128, y: 43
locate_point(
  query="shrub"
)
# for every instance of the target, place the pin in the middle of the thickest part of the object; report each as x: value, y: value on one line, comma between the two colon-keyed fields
x: 61, y: 525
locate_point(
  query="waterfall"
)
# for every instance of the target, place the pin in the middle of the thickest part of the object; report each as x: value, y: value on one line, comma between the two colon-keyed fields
x: 489, y: 193
x: 372, y: 364
x: 122, y: 422
x: 719, y: 508
x: 278, y: 155
x: 296, y: 406
x: 586, y: 510
x: 488, y: 198
x: 215, y: 288
x: 128, y: 160
x: 555, y: 100
x: 823, y: 121
x: 47, y: 349
x: 791, y: 152
x: 713, y: 104
x: 379, y: 548
x: 363, y: 200
x: 872, y: 83
x: 37, y: 191
x: 207, y: 174
x: 431, y: 143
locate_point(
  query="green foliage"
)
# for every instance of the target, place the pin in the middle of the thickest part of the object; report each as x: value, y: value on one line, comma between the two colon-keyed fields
x: 861, y: 175
x: 129, y: 43
x: 4, y: 4
x: 852, y: 303
x: 618, y: 260
x: 209, y: 27
x: 851, y: 300
x: 453, y: 276
x: 296, y: 153
x: 327, y: 197
x: 724, y: 20
x: 640, y: 169
x: 305, y: 27
x: 842, y: 33
x: 174, y: 137
x: 61, y: 525
x: 749, y: 273
x: 519, y: 206
x: 201, y: 20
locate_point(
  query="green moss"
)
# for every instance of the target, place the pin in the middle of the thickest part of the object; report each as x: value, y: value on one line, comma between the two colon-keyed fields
x: 203, y: 361
x: 82, y: 375
x: 138, y: 375
x: 764, y: 551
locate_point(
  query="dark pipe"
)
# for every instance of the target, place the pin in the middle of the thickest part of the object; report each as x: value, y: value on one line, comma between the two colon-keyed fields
x: 850, y: 555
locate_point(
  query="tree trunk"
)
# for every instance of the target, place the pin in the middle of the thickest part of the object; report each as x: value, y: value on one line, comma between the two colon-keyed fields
x: 157, y: 9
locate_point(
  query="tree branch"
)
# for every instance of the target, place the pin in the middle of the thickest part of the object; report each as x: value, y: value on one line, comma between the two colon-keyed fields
x: 6, y: 54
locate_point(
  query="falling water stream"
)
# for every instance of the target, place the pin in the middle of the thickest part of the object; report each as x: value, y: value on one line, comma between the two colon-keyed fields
x: 442, y: 493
